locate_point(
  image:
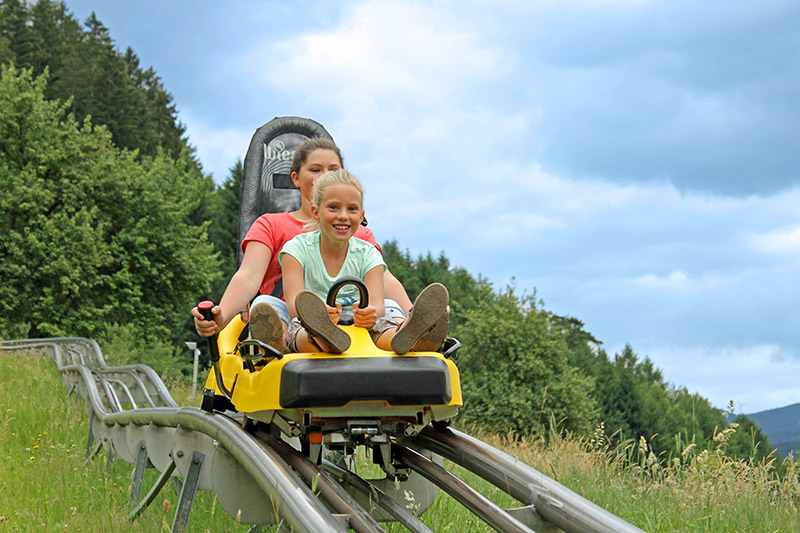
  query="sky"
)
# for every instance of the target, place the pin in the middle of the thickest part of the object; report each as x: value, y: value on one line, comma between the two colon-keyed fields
x: 632, y: 163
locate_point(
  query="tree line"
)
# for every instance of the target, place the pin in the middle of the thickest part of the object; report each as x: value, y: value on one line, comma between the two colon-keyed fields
x: 109, y: 229
x: 87, y: 72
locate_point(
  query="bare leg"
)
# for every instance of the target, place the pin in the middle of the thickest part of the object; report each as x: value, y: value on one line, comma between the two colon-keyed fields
x: 384, y: 341
x: 304, y: 344
x: 314, y: 316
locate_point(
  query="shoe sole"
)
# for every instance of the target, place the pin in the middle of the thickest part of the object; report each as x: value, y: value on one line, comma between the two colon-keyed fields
x: 266, y: 326
x: 432, y: 339
x: 429, y: 307
x: 315, y: 319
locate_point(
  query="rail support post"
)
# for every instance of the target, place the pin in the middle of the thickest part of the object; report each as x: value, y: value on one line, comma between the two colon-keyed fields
x: 90, y: 452
x: 109, y: 459
x: 188, y: 492
x: 138, y: 474
x: 153, y: 492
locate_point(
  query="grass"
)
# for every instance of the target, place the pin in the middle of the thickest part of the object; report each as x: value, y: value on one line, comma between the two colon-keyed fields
x: 704, y: 490
x: 46, y: 486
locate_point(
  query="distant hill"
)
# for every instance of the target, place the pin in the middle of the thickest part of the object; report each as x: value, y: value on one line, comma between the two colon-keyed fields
x: 782, y: 427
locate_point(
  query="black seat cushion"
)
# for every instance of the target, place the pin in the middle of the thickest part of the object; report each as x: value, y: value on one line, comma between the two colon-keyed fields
x: 333, y: 382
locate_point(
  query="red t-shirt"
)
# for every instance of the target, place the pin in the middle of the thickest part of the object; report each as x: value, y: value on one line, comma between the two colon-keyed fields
x: 276, y: 229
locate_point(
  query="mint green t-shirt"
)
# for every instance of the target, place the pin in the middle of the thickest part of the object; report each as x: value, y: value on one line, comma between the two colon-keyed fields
x: 361, y: 258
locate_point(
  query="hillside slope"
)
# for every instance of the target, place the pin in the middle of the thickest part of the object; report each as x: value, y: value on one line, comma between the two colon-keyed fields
x: 782, y: 426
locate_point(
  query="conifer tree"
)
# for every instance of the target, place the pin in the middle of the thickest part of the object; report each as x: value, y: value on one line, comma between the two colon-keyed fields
x: 85, y: 69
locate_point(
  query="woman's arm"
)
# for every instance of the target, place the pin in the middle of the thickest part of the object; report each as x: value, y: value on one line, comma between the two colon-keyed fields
x: 241, y: 289
x: 395, y: 291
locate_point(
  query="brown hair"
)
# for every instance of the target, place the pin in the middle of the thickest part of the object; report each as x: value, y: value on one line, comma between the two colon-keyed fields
x: 302, y: 152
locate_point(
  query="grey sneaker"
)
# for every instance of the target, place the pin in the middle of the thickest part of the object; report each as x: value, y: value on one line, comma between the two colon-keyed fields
x: 315, y: 319
x: 266, y: 326
x: 430, y: 307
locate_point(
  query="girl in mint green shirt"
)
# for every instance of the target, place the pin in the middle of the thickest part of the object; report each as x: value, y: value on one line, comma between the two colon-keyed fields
x: 313, y: 261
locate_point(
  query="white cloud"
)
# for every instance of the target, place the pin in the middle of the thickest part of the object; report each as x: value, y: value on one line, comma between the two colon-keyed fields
x: 217, y: 148
x: 783, y: 241
x: 755, y: 377
x: 676, y: 280
x: 394, y: 76
x: 383, y: 50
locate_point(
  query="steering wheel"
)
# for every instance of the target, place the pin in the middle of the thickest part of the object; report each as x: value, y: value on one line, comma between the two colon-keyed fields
x: 362, y: 293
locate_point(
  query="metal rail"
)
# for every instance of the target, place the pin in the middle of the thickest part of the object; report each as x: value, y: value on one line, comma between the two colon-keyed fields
x: 377, y: 497
x: 339, y: 499
x: 553, y: 501
x: 484, y: 508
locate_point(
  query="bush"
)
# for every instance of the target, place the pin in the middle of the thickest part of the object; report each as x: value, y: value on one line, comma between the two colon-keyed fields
x: 91, y: 235
x: 515, y: 372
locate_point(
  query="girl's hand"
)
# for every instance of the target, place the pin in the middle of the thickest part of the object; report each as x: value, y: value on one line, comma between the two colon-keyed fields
x: 366, y: 317
x: 206, y: 328
x: 334, y: 312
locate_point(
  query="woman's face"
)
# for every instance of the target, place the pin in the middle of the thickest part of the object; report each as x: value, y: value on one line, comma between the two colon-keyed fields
x: 318, y: 163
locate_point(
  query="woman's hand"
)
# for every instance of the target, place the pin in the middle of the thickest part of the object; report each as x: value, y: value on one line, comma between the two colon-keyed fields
x: 366, y: 317
x: 206, y: 328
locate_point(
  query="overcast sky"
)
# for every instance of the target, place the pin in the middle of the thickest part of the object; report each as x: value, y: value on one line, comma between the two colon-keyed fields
x: 635, y: 163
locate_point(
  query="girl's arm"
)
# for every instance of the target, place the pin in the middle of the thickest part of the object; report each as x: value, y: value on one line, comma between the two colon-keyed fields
x: 241, y: 289
x: 366, y: 317
x: 293, y: 281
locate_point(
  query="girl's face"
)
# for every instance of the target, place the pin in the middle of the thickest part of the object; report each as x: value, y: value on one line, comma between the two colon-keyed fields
x: 340, y: 212
x: 318, y: 163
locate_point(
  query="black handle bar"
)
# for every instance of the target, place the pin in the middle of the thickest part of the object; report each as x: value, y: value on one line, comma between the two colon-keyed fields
x: 362, y: 293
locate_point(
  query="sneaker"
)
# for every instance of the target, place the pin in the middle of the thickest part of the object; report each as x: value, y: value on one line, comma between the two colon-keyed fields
x: 317, y: 322
x: 430, y: 308
x: 266, y: 326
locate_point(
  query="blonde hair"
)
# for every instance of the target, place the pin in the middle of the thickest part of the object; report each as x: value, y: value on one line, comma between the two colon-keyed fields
x: 325, y: 182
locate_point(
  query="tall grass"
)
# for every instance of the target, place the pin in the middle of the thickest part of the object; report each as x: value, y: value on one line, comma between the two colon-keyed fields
x: 703, y: 490
x: 45, y: 484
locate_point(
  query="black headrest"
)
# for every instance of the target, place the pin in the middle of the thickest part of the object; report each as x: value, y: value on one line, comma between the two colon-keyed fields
x: 266, y: 185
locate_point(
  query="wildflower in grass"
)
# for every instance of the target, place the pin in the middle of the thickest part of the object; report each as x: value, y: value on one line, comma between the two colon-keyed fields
x: 686, y: 451
x: 599, y: 441
x: 412, y: 504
